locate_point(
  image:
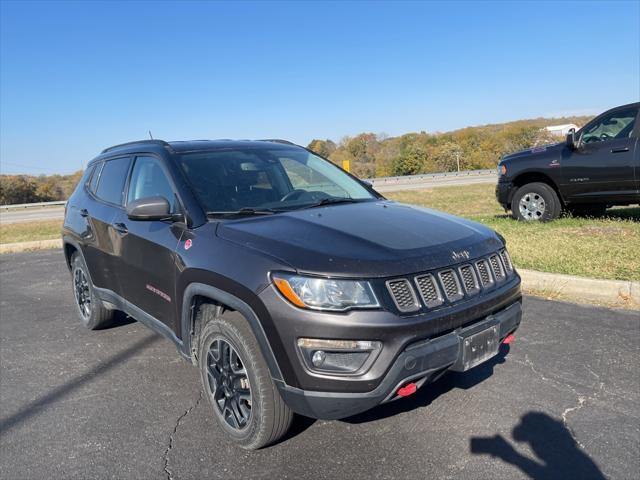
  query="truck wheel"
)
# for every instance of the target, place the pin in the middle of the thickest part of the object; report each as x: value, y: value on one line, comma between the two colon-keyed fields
x: 535, y: 202
x: 236, y: 380
x: 93, y: 314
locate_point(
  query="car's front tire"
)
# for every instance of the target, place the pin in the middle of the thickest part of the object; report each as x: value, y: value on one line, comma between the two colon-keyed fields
x: 91, y: 311
x: 236, y: 380
x: 535, y: 202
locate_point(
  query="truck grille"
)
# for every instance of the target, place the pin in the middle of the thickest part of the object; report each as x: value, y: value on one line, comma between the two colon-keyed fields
x: 452, y: 288
x: 450, y: 284
x: 469, y: 279
x: 403, y: 295
x: 506, y: 260
x: 429, y: 290
x: 485, y: 274
x: 497, y: 268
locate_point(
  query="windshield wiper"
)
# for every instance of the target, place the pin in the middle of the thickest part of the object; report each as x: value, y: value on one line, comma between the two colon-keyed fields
x: 242, y: 211
x: 331, y: 201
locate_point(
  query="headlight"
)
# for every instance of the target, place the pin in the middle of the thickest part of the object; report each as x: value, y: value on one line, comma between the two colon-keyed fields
x: 502, y: 170
x: 325, y: 293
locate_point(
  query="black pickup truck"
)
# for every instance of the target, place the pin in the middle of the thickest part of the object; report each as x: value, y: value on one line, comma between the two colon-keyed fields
x: 597, y: 167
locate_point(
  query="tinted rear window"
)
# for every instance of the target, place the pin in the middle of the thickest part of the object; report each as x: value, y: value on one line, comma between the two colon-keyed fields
x: 112, y: 179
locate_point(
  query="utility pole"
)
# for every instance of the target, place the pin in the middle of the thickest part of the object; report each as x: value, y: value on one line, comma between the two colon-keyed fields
x: 458, y: 160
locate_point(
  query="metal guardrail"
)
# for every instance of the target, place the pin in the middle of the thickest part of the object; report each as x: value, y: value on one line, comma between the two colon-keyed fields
x: 379, y: 181
x: 18, y: 206
x: 428, y: 176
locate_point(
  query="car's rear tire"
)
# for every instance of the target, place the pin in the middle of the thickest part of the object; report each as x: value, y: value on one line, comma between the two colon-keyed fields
x: 236, y: 380
x: 535, y: 202
x: 91, y: 311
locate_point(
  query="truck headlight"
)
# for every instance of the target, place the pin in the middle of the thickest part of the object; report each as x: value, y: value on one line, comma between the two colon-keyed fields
x: 325, y: 293
x: 502, y: 169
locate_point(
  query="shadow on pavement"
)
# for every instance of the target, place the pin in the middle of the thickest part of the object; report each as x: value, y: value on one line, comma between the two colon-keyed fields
x: 44, y: 401
x: 559, y: 456
x: 429, y: 392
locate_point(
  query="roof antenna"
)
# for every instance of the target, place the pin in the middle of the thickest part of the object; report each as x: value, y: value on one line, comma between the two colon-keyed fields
x: 150, y: 136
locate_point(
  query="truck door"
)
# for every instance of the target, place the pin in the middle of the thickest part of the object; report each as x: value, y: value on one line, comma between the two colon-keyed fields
x: 603, y: 164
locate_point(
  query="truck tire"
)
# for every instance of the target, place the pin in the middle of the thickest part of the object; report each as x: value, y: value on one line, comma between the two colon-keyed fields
x: 236, y: 380
x: 535, y: 202
x: 91, y: 311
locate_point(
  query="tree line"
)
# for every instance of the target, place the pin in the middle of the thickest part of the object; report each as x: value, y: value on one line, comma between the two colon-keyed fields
x: 42, y: 188
x: 473, y: 148
x: 370, y: 155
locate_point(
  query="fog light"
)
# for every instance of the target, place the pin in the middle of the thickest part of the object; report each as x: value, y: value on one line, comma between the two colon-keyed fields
x: 338, y: 356
x: 318, y: 358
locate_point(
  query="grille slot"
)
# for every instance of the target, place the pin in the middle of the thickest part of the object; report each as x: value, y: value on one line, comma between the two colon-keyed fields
x: 497, y: 268
x: 485, y: 275
x: 506, y: 260
x: 429, y: 290
x: 451, y: 284
x: 403, y: 295
x: 469, y: 279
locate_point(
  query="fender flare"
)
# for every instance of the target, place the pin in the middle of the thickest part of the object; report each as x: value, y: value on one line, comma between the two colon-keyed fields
x: 213, y: 293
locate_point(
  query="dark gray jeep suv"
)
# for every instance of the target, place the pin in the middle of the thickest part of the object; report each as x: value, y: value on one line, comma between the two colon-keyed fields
x: 292, y: 285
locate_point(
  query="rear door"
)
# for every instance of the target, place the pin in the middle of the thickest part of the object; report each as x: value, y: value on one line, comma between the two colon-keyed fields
x: 103, y: 243
x: 603, y: 165
x: 148, y: 263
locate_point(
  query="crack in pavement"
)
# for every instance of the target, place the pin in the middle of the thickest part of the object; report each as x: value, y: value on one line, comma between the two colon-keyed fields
x: 165, y: 457
x: 581, y: 399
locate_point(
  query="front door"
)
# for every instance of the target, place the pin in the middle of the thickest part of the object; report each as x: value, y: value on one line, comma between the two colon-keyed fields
x: 149, y: 260
x: 603, y: 163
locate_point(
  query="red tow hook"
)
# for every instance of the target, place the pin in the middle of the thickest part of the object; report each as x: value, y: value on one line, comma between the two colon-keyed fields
x: 509, y: 339
x: 408, y: 389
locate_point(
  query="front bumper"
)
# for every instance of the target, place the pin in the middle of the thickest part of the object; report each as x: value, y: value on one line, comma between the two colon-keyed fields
x: 504, y: 192
x: 420, y: 362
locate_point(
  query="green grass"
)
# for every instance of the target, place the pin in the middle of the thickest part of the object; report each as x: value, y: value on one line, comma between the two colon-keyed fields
x: 26, y: 232
x: 606, y: 247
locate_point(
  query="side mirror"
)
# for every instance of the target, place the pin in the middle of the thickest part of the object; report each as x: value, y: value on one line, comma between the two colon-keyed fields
x: 149, y: 208
x: 571, y: 139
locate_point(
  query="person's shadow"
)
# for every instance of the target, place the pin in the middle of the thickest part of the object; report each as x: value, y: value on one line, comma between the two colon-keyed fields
x: 558, y: 453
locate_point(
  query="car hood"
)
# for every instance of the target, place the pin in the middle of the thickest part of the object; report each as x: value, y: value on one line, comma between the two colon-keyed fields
x: 369, y: 239
x: 543, y: 150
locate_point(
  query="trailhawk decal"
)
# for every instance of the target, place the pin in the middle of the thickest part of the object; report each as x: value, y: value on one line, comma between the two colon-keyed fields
x: 153, y: 289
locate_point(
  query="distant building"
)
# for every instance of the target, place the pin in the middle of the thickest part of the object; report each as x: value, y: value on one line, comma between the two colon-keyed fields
x: 561, y: 130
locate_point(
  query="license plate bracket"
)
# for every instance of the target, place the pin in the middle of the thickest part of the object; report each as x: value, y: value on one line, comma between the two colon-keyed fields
x: 479, y: 347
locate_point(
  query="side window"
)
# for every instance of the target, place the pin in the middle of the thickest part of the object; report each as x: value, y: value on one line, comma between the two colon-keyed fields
x: 112, y: 180
x: 615, y: 125
x: 149, y: 180
x: 94, y: 178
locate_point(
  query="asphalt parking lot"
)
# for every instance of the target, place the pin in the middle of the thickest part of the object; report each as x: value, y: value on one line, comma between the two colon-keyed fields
x: 120, y: 403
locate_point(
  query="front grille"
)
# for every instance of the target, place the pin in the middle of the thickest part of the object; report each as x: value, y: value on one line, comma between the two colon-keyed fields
x: 451, y: 285
x: 469, y: 279
x: 496, y: 267
x: 429, y: 290
x: 403, y: 295
x: 485, y: 274
x: 506, y: 260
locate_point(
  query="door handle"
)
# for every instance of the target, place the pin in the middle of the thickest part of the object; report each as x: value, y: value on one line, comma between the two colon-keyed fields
x: 620, y: 150
x: 84, y: 212
x: 121, y: 228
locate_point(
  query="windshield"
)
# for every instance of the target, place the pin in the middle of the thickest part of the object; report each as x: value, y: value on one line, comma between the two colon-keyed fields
x: 267, y: 179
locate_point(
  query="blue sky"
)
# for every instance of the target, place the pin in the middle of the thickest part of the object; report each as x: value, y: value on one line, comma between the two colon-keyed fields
x: 76, y: 77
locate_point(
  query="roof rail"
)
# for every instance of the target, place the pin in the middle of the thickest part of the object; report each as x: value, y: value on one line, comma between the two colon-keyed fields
x: 277, y: 140
x: 153, y: 142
